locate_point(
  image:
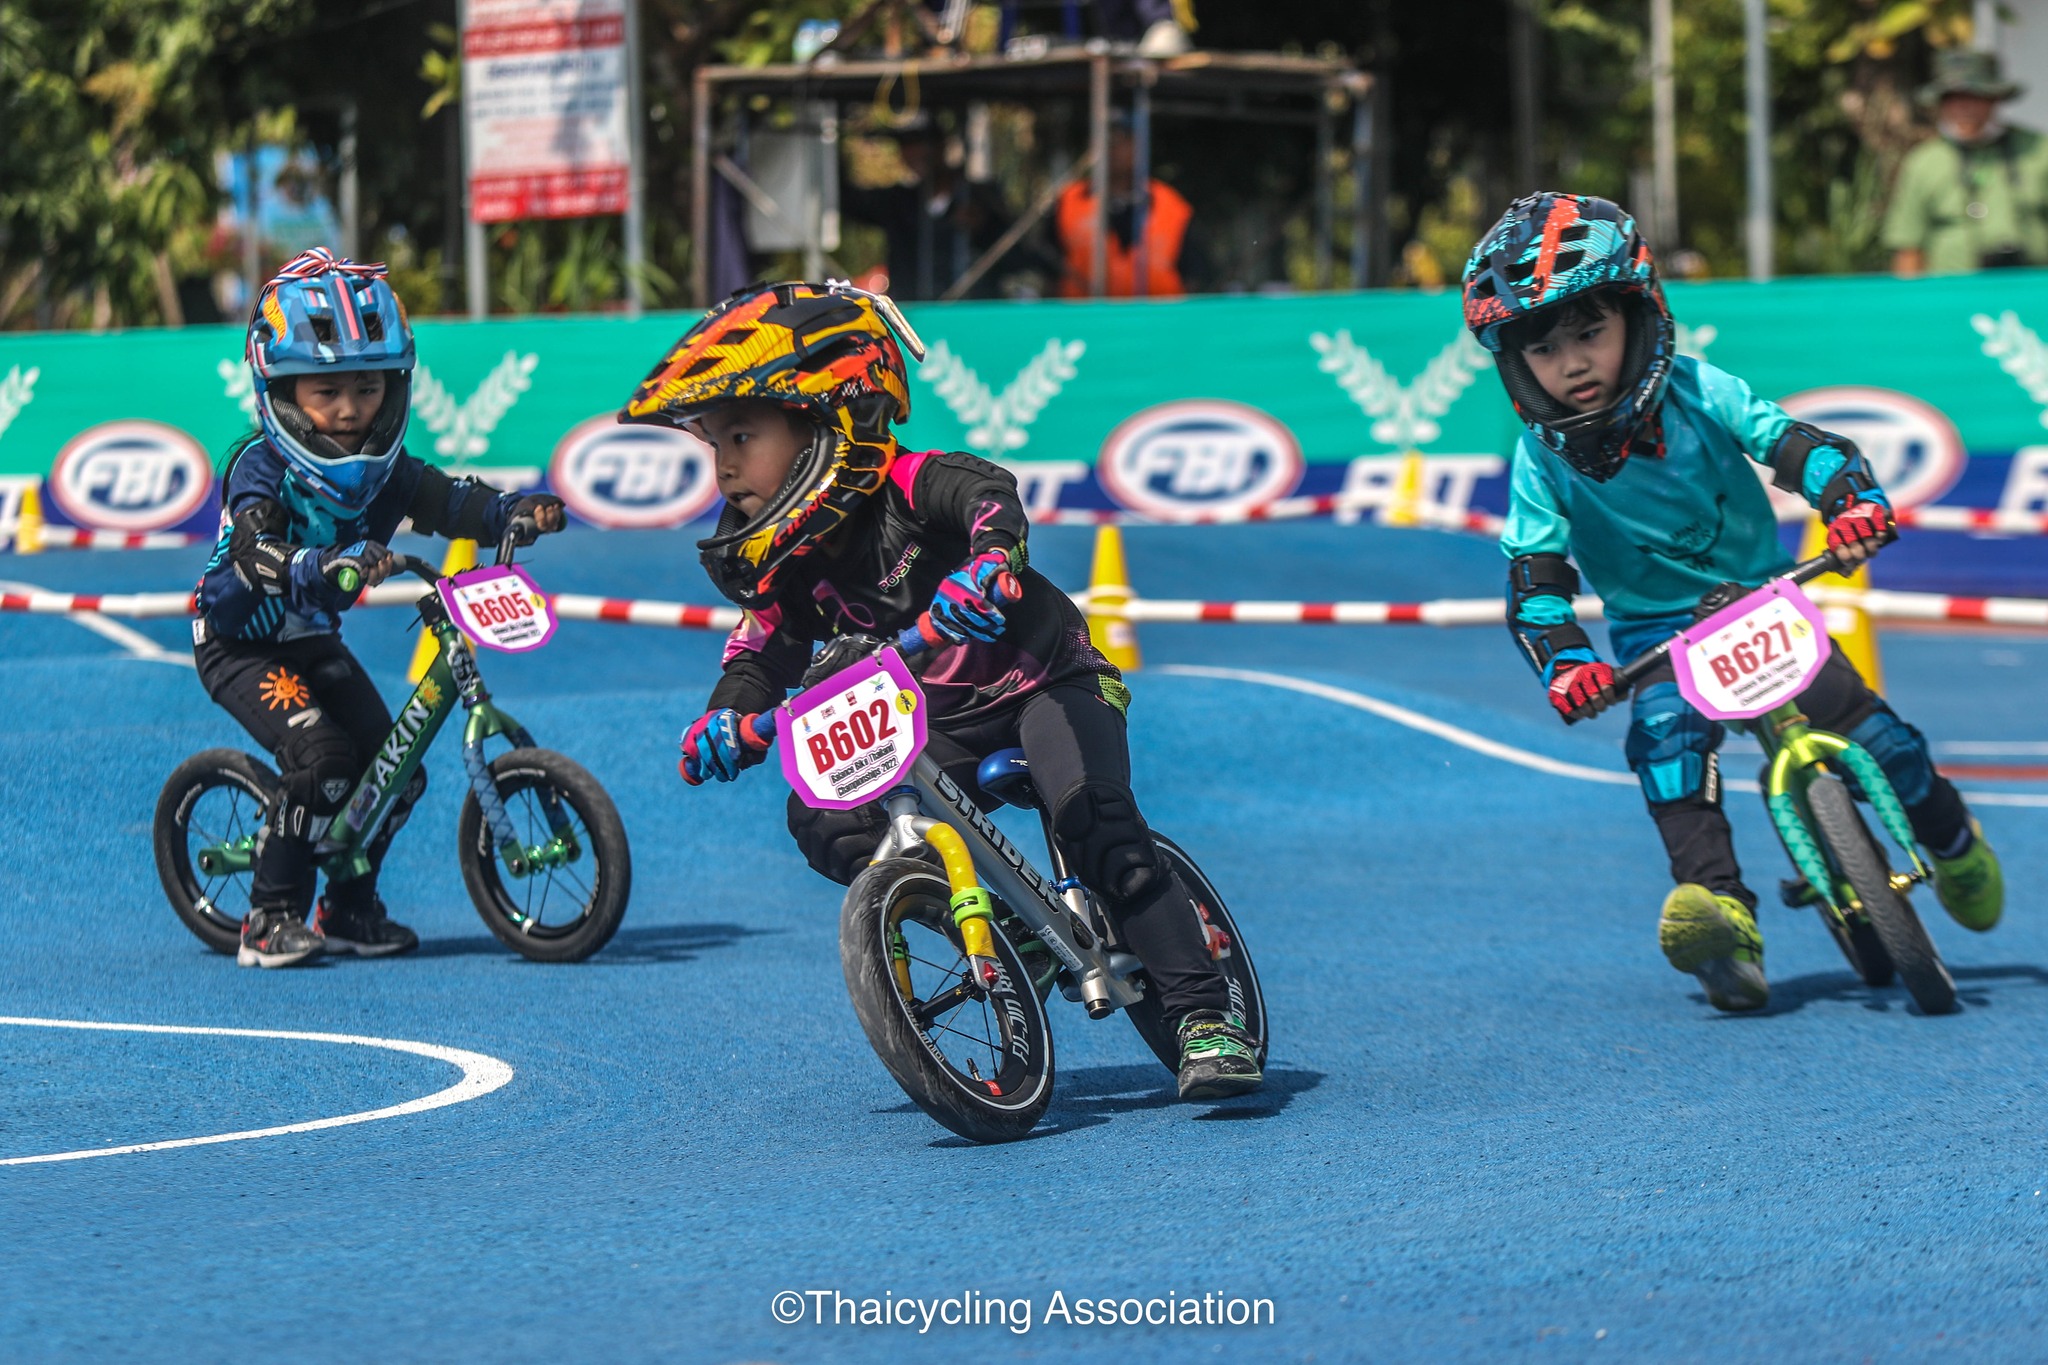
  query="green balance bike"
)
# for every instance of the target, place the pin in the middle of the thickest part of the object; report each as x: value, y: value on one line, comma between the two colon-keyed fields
x: 542, y: 850
x: 1745, y: 664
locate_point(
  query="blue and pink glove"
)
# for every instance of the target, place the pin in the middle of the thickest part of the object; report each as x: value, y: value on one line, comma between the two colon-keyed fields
x: 965, y: 608
x: 718, y: 747
x: 1579, y: 690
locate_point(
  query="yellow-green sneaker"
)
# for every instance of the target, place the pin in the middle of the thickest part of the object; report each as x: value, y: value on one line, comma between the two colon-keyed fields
x: 1715, y: 939
x: 1970, y: 885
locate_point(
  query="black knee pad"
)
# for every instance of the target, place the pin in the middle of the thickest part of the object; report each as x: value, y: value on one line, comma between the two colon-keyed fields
x: 318, y: 769
x: 837, y: 843
x: 1112, y: 848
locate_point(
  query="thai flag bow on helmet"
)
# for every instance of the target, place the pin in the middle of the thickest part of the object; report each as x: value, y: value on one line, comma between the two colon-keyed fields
x: 321, y: 314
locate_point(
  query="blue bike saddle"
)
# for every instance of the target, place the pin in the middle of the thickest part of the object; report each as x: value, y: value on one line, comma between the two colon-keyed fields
x: 1007, y: 777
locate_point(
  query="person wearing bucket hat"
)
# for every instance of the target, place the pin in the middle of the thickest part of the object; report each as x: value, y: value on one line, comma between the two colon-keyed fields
x: 1975, y: 196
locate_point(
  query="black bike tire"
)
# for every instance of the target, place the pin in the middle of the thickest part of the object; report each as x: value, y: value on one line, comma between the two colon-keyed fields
x: 1239, y: 970
x: 1861, y: 948
x: 182, y: 884
x: 609, y: 856
x: 1865, y: 868
x: 897, y: 1039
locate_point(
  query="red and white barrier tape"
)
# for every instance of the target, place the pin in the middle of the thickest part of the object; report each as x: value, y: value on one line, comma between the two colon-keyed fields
x: 568, y: 606
x: 1975, y: 519
x: 1279, y: 509
x: 1879, y: 604
x: 79, y: 538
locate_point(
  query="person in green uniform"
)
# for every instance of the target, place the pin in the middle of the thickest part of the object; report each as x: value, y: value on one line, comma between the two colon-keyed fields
x: 1975, y: 196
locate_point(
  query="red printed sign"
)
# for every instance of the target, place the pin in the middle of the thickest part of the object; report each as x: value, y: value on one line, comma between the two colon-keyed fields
x: 545, y: 102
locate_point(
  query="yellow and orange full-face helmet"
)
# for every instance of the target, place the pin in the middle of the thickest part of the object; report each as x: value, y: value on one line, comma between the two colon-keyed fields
x: 830, y: 352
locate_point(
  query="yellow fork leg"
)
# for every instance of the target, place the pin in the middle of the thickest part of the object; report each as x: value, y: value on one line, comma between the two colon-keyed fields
x: 972, y: 912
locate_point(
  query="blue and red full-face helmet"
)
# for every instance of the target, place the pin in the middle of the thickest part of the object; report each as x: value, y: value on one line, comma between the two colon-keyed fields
x: 322, y: 313
x: 1545, y: 251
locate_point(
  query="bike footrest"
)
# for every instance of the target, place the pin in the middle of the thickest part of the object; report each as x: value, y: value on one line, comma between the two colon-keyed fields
x: 1796, y: 892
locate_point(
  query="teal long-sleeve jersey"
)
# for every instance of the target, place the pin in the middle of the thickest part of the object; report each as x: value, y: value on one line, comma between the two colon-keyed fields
x: 1654, y: 538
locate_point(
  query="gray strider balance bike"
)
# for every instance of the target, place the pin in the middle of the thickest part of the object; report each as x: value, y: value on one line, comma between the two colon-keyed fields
x: 952, y: 939
x: 543, y: 853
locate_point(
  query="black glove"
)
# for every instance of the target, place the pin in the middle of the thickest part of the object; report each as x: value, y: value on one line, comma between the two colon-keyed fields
x: 337, y: 561
x: 540, y: 511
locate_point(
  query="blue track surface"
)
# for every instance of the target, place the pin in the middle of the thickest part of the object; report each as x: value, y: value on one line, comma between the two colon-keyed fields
x: 1497, y: 1125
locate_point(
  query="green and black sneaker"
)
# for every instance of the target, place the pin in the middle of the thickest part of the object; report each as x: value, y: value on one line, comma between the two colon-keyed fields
x: 1218, y: 1058
x: 1715, y: 939
x: 1970, y: 885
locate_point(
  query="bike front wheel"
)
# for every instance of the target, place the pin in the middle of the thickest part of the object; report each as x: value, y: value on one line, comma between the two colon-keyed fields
x: 207, y: 821
x: 1226, y: 945
x: 570, y: 902
x: 976, y: 1058
x: 1862, y: 864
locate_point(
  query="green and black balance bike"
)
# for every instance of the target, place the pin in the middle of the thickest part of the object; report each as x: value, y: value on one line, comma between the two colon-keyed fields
x: 543, y: 852
x: 1746, y: 664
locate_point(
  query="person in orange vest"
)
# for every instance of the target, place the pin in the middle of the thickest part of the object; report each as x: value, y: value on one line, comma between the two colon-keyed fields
x: 1167, y: 217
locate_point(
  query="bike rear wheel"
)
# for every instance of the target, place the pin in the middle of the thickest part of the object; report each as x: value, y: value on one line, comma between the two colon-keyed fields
x: 210, y: 812
x: 979, y: 1061
x: 1863, y: 865
x: 559, y: 911
x: 1226, y: 943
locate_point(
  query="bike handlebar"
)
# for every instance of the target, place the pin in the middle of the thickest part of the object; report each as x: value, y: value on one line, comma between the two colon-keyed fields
x: 348, y: 580
x: 1636, y: 669
x: 759, y: 728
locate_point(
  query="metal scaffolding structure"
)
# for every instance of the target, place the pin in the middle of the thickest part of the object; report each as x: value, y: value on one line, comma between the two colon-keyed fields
x: 1242, y: 86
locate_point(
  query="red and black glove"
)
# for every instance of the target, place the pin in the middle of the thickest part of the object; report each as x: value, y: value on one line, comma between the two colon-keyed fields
x: 1579, y: 690
x: 1857, y: 531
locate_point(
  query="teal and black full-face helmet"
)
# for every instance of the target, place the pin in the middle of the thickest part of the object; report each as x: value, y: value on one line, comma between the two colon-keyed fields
x: 1546, y: 251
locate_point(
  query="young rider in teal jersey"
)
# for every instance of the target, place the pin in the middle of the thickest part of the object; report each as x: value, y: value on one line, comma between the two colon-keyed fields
x: 1640, y: 466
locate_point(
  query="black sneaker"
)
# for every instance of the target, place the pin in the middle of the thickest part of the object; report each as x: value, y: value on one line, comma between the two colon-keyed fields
x: 1218, y: 1058
x: 366, y: 932
x: 277, y: 938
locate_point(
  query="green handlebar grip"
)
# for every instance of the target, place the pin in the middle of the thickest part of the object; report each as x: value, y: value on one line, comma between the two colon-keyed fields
x: 348, y: 580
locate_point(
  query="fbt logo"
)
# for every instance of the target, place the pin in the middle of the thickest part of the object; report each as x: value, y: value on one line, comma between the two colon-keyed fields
x: 131, y: 476
x: 1199, y: 457
x: 1915, y: 451
x: 632, y: 477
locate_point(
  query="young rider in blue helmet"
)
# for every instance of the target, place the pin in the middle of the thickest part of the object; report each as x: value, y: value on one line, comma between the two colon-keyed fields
x: 1640, y: 465
x: 321, y: 489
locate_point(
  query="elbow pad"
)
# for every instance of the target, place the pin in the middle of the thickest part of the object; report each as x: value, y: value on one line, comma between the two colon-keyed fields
x: 1825, y: 469
x: 257, y: 550
x: 1540, y: 592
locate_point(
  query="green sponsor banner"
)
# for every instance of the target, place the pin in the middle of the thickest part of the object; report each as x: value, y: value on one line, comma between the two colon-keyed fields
x: 1336, y: 377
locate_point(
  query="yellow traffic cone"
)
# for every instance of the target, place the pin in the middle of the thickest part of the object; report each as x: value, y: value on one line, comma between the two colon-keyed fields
x: 461, y: 555
x: 1849, y: 624
x: 1109, y: 601
x: 28, y: 522
x: 1406, y: 508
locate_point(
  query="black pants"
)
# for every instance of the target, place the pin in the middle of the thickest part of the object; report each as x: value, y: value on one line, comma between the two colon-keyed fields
x: 1076, y: 744
x: 313, y: 707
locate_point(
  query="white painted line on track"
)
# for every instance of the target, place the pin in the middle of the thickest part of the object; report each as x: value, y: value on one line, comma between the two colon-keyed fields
x: 1493, y: 748
x: 138, y: 645
x: 480, y: 1076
